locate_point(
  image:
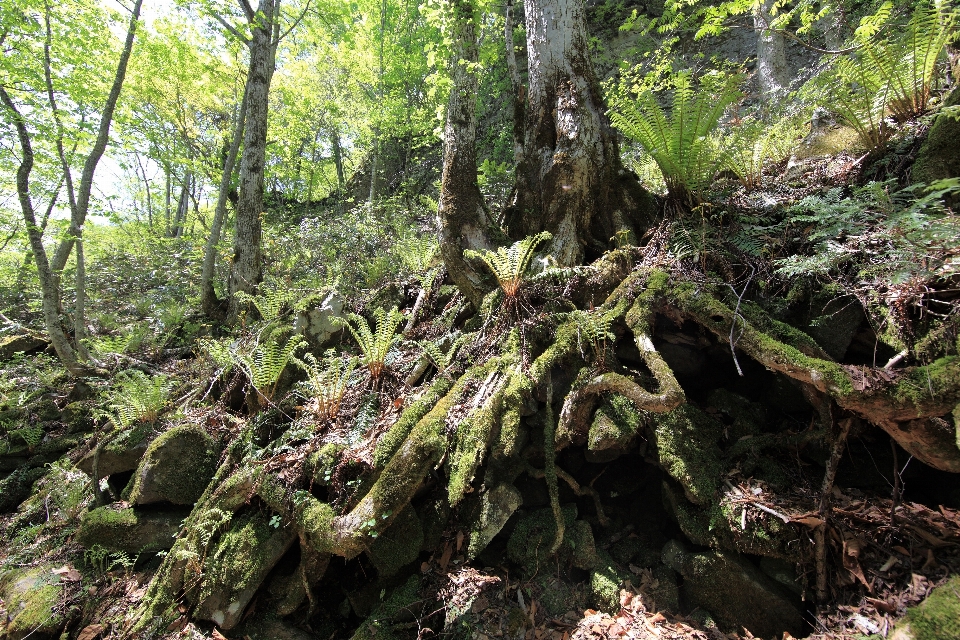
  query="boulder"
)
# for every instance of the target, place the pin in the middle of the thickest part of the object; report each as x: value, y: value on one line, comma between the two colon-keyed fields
x: 24, y: 343
x: 735, y: 592
x: 686, y: 441
x: 939, y: 156
x: 131, y: 530
x: 31, y: 597
x: 237, y: 565
x: 121, y: 453
x: 496, y: 507
x: 176, y: 467
x: 614, y: 428
x: 936, y: 617
x: 398, y: 545
x: 321, y: 325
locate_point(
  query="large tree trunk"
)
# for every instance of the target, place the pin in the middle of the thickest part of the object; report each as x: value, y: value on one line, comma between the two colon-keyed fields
x: 463, y: 221
x: 246, y: 271
x: 570, y: 180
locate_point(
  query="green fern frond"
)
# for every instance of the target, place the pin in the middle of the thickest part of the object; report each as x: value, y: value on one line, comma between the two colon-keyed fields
x: 328, y: 381
x: 595, y: 329
x: 509, y: 264
x: 441, y: 360
x: 681, y: 142
x: 375, y: 344
x: 265, y: 362
x: 273, y: 303
x: 136, y: 397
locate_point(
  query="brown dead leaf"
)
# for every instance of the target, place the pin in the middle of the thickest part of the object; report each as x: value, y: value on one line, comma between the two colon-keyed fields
x: 459, y: 540
x: 425, y: 567
x: 851, y: 562
x: 616, y: 630
x: 589, y: 612
x: 90, y: 632
x: 445, y: 558
x: 67, y: 573
x: 216, y: 635
x: 900, y: 549
x: 177, y: 624
x: 811, y: 521
x: 929, y: 537
x: 882, y: 605
x: 931, y: 562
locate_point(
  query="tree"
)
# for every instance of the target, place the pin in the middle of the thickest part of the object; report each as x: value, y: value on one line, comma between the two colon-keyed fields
x: 49, y: 269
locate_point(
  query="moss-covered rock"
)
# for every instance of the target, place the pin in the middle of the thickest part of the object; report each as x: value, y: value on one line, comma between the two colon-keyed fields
x: 15, y: 488
x: 237, y: 565
x: 121, y: 453
x: 606, y: 580
x: 686, y: 440
x: 78, y: 416
x: 936, y: 618
x: 496, y: 507
x: 735, y: 591
x: 615, y: 425
x: 24, y: 343
x: 939, y: 157
x: 132, y: 530
x: 176, y: 467
x: 32, y: 599
x: 398, y: 545
x: 380, y: 624
x: 529, y: 544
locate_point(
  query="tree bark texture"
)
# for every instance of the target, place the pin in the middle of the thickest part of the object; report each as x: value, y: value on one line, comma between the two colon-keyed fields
x: 772, y: 71
x: 463, y: 221
x: 570, y: 180
x: 246, y: 270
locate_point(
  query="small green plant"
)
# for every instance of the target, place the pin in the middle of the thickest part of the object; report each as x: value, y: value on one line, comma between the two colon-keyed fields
x: 893, y: 73
x: 441, y: 360
x: 753, y: 143
x: 680, y: 142
x: 101, y: 560
x: 509, y: 264
x: 594, y: 329
x: 263, y: 361
x: 416, y: 252
x: 274, y: 303
x: 136, y: 397
x: 327, y: 382
x: 375, y: 344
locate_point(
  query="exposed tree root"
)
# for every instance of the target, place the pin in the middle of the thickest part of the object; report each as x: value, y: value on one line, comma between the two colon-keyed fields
x: 476, y: 420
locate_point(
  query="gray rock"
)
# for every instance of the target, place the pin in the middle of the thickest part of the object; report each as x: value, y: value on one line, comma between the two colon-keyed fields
x: 939, y: 156
x: 320, y: 325
x: 122, y: 453
x: 398, y: 545
x: 496, y: 507
x: 31, y: 597
x: 25, y: 343
x: 132, y: 530
x: 835, y: 329
x: 735, y: 592
x: 176, y: 467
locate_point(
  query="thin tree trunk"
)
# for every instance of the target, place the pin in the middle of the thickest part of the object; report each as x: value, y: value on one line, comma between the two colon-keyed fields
x: 772, y: 75
x: 79, y: 215
x: 48, y: 282
x: 463, y: 222
x: 168, y: 200
x: 209, y: 303
x: 183, y: 206
x: 518, y: 93
x: 146, y: 185
x: 338, y: 159
x: 246, y: 269
x: 79, y: 312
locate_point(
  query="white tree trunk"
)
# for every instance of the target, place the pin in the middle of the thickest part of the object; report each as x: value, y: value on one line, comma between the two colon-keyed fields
x: 772, y: 72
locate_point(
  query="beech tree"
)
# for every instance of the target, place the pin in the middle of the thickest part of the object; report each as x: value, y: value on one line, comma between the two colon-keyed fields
x: 570, y: 180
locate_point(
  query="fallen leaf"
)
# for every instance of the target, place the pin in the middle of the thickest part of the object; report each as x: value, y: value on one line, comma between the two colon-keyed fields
x: 216, y: 635
x: 902, y: 550
x: 931, y: 562
x: 929, y: 537
x: 90, y: 632
x: 67, y: 573
x: 425, y: 567
x: 811, y: 521
x: 589, y: 612
x: 459, y: 540
x: 177, y: 624
x: 445, y: 558
x: 882, y: 605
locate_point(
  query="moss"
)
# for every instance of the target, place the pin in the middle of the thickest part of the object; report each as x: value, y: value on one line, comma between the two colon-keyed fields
x: 398, y: 545
x: 615, y: 423
x: 559, y: 596
x: 686, y: 441
x: 394, y: 437
x: 238, y: 556
x: 641, y: 313
x: 564, y: 344
x: 747, y: 417
x: 939, y: 615
x: 321, y: 464
x: 130, y: 530
x: 31, y: 599
x: 780, y: 330
x: 605, y: 582
x: 937, y: 380
x: 380, y: 624
x: 176, y: 467
x: 529, y: 544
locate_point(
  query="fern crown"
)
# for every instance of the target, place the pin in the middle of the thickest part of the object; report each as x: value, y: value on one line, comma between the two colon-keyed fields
x: 509, y: 264
x: 375, y: 343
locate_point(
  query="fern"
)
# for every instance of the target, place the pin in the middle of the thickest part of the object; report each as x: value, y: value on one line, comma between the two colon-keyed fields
x: 136, y: 397
x: 509, y: 264
x: 594, y: 329
x: 328, y: 382
x: 265, y: 362
x: 681, y: 142
x: 375, y: 344
x: 273, y: 303
x: 441, y: 360
x: 892, y: 74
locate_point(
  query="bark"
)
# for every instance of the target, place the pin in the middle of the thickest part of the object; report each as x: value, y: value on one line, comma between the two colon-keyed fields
x: 518, y: 94
x: 246, y: 269
x: 570, y: 180
x: 183, y: 206
x: 772, y: 72
x: 338, y: 159
x: 463, y: 221
x: 209, y: 303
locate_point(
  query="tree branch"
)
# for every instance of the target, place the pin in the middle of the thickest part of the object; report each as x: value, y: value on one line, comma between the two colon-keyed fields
x: 232, y: 29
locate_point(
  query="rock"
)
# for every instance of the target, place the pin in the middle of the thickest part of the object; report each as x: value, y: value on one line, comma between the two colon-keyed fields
x: 936, y: 617
x: 835, y: 329
x: 23, y: 343
x: 80, y: 391
x: 320, y: 325
x: 659, y: 589
x: 237, y: 565
x: 783, y: 572
x: 274, y: 630
x: 176, y: 467
x: 132, y: 530
x: 398, y: 545
x: 32, y: 600
x: 606, y: 579
x: 939, y: 155
x: 686, y: 442
x: 496, y: 507
x: 615, y: 425
x: 529, y: 544
x: 735, y: 592
x: 122, y: 453
x: 16, y: 487
x: 78, y: 416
